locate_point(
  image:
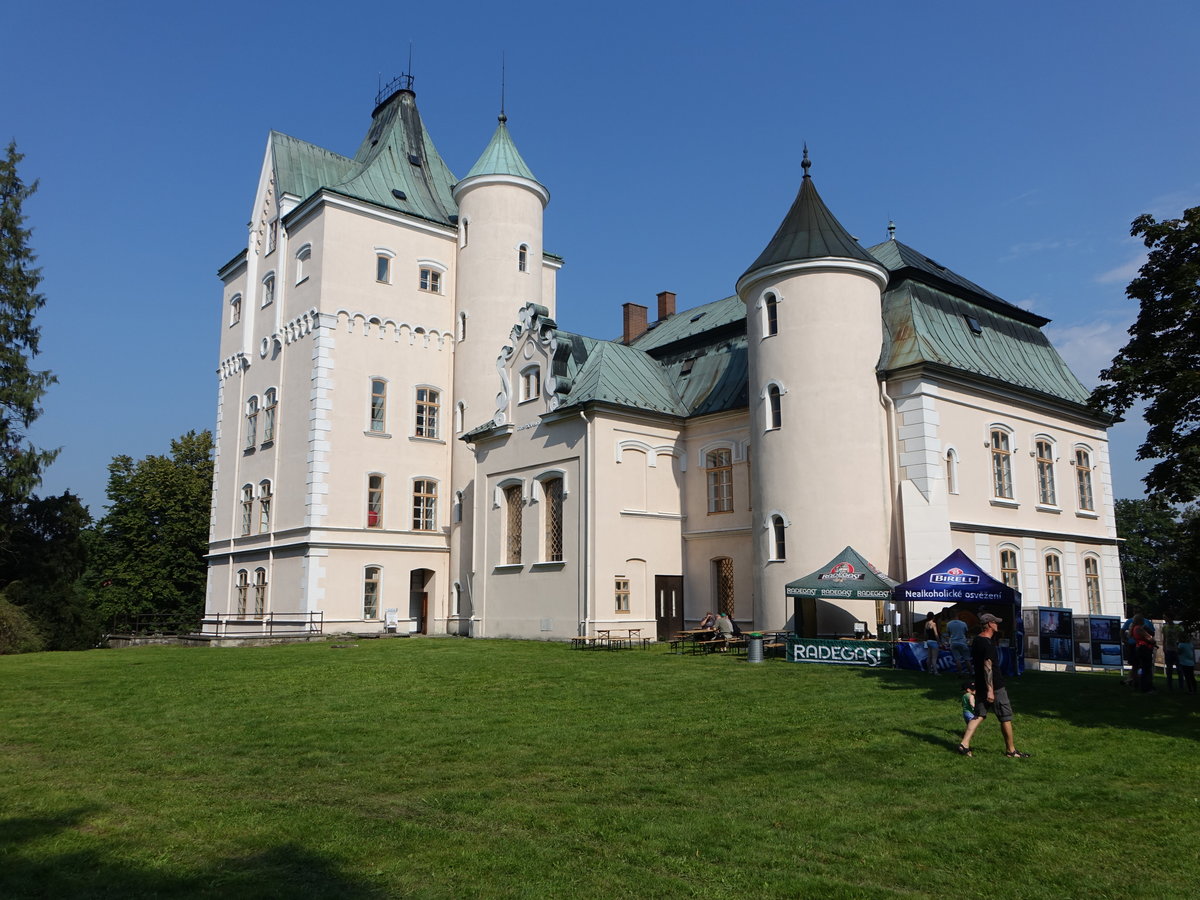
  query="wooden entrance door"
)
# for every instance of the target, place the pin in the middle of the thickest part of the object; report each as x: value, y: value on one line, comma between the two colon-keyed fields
x: 668, y: 605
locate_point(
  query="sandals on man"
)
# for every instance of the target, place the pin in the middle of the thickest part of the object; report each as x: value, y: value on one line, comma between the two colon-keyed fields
x: 1016, y: 754
x: 964, y: 751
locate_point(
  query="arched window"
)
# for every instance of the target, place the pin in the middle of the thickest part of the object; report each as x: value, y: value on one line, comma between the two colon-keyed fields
x: 371, y: 579
x: 272, y: 236
x: 268, y: 289
x: 243, y: 591
x: 514, y: 505
x: 383, y: 265
x: 260, y: 592
x: 270, y: 402
x: 1083, y: 478
x: 778, y: 538
x: 247, y: 507
x: 1054, y: 594
x: 428, y: 407
x: 375, y: 501
x: 719, y: 473
x: 1009, y: 573
x: 462, y: 326
x: 770, y: 315
x: 1091, y: 577
x: 952, y: 471
x: 531, y: 383
x: 460, y: 415
x: 774, y: 407
x: 378, y: 407
x: 1001, y: 448
x: 235, y: 309
x: 523, y: 258
x: 722, y: 575
x: 264, y: 507
x: 424, y: 516
x: 303, y: 255
x: 552, y: 495
x: 1045, y: 471
x: 251, y: 422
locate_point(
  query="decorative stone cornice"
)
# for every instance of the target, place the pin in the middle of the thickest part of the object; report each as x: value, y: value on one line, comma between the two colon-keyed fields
x: 233, y: 365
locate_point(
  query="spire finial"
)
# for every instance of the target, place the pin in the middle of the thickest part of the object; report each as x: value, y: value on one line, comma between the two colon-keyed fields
x: 891, y: 230
x: 806, y: 163
x: 502, y: 117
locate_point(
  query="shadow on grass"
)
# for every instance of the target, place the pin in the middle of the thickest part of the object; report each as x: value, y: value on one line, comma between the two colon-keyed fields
x: 1082, y: 700
x: 283, y: 871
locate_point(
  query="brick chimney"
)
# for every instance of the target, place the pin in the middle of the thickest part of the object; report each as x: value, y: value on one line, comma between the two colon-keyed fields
x: 634, y: 320
x: 666, y: 304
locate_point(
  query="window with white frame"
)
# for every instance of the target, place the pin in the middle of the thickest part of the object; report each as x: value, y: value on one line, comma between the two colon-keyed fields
x: 371, y: 579
x: 260, y: 592
x: 1044, y: 451
x: 303, y: 257
x: 552, y: 497
x: 1054, y: 593
x: 523, y: 258
x: 460, y: 415
x: 428, y: 405
x: 1001, y: 449
x: 774, y: 407
x: 531, y: 383
x: 247, y: 507
x: 243, y: 592
x: 272, y: 236
x: 374, y: 501
x: 430, y: 280
x: 778, y: 538
x: 952, y: 471
x: 1009, y: 573
x: 383, y: 266
x: 424, y: 517
x: 268, y: 290
x: 264, y: 506
x: 621, y: 594
x: 235, y: 309
x: 719, y: 475
x: 1083, y: 479
x: 770, y: 315
x: 514, y: 506
x: 378, y: 407
x: 1091, y: 578
x: 251, y: 422
x: 270, y: 403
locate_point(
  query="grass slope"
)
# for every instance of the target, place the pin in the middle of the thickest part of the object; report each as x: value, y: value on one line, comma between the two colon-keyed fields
x: 456, y: 768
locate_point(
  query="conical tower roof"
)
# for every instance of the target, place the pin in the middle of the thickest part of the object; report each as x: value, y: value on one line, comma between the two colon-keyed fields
x: 501, y: 156
x: 809, y: 231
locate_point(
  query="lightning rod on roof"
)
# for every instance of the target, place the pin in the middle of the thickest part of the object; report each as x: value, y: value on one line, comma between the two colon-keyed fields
x: 503, y: 117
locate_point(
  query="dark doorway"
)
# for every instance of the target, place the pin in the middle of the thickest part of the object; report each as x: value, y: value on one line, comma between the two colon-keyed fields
x: 668, y: 605
x: 418, y: 599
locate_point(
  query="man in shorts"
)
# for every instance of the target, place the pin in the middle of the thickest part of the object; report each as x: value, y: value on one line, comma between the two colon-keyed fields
x: 990, y: 692
x: 956, y: 631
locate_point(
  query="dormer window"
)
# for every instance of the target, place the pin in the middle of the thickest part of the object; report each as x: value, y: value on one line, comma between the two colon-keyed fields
x: 531, y: 383
x: 973, y: 324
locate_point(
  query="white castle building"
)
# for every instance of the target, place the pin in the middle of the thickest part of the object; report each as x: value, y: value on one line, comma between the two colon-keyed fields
x: 406, y: 437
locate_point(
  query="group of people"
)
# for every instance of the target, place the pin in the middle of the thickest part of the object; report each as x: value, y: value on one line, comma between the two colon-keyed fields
x: 956, y: 635
x: 723, y: 627
x: 1179, y: 654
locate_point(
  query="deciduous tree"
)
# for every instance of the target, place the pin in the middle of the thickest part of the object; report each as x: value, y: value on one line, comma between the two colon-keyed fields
x: 1161, y: 363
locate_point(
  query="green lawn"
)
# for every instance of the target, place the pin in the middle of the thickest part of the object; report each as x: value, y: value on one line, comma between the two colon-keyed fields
x: 457, y: 768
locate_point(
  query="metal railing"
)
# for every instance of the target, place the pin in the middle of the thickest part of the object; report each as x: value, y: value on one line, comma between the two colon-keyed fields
x: 270, y: 624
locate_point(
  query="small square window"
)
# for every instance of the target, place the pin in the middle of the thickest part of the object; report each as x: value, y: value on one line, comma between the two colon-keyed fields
x: 431, y: 280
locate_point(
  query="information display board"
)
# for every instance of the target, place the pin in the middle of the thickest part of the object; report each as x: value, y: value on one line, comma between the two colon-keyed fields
x: 1098, y: 641
x: 1055, y: 638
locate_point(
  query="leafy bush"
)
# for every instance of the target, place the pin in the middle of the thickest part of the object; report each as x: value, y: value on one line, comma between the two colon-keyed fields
x: 17, y: 631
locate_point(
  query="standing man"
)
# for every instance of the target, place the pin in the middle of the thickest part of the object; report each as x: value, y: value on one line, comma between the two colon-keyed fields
x: 956, y: 631
x: 990, y: 692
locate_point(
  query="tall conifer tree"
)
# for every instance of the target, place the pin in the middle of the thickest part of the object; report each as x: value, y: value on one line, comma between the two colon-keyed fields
x: 21, y: 387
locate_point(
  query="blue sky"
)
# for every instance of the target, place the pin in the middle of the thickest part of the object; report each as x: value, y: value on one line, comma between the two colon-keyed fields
x: 1012, y: 142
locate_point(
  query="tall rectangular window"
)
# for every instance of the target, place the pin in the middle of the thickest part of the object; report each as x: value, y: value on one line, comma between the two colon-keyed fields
x: 1045, y: 472
x: 553, y: 491
x: 1008, y: 569
x: 264, y: 507
x: 778, y: 538
x: 251, y: 422
x: 1083, y: 479
x: 371, y: 593
x: 270, y: 402
x: 621, y: 594
x: 723, y: 584
x: 1002, y: 486
x: 514, y: 504
x: 260, y: 592
x: 1091, y: 576
x: 383, y: 269
x: 427, y: 412
x: 247, y: 508
x: 719, y: 465
x: 243, y: 590
x: 424, y: 516
x: 1054, y: 595
x: 378, y: 406
x: 375, y: 501
x: 771, y: 306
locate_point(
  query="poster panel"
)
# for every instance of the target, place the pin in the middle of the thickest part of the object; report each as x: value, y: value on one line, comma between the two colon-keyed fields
x: 1054, y: 634
x: 1029, y: 618
x: 1081, y: 631
x: 1105, y: 636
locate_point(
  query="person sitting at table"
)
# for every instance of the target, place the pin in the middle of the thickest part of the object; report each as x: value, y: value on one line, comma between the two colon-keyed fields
x: 709, y: 621
x: 725, y: 630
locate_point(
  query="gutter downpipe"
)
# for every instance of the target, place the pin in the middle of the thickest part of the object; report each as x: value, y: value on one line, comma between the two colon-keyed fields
x: 889, y: 411
x: 585, y: 514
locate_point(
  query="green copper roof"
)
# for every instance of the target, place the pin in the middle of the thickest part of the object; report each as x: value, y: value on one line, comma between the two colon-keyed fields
x: 501, y: 156
x: 691, y: 322
x: 614, y: 373
x: 809, y: 231
x: 396, y: 167
x: 924, y: 325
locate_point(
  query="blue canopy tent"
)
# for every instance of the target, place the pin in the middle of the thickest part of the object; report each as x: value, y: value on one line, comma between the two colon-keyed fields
x: 957, y: 579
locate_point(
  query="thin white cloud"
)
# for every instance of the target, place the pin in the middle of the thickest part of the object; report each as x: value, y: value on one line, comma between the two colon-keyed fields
x: 1090, y: 347
x: 1124, y: 273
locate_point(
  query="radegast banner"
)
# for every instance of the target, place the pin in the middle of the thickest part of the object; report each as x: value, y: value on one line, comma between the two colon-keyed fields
x: 840, y: 653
